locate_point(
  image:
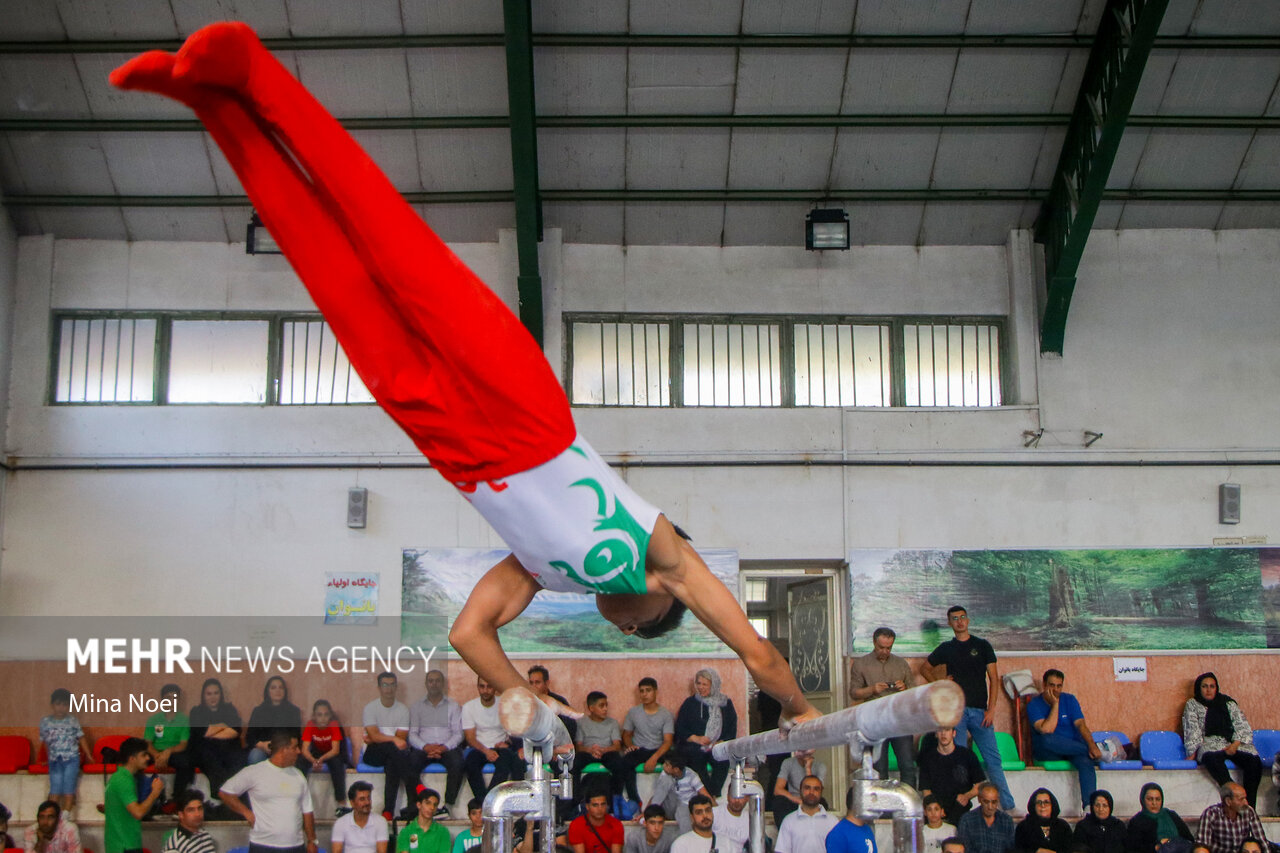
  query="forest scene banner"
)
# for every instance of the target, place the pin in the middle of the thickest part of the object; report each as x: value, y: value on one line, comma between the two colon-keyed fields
x: 437, y: 581
x: 1046, y: 600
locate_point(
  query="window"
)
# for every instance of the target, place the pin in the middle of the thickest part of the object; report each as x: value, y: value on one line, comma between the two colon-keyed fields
x: 782, y: 362
x: 160, y: 358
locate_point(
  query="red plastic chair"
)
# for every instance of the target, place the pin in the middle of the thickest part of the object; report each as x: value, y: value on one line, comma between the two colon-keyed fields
x: 100, y: 765
x: 41, y: 764
x: 15, y: 753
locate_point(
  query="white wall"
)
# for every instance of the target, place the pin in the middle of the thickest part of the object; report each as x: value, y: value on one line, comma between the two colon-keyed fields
x: 1171, y: 352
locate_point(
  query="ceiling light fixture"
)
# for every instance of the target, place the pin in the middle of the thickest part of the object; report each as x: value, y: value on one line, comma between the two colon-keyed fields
x: 826, y: 228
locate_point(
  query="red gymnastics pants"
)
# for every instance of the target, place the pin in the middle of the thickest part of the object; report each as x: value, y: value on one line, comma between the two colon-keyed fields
x: 445, y: 358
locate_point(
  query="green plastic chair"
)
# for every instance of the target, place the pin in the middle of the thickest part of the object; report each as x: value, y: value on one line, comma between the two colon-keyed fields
x: 893, y: 756
x: 1056, y: 764
x: 596, y: 767
x: 1008, y: 753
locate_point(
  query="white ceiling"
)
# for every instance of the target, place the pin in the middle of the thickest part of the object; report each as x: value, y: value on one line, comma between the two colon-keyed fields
x: 603, y: 80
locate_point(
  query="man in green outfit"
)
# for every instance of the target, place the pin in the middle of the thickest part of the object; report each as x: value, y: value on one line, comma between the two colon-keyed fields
x: 423, y: 834
x: 123, y: 833
x: 167, y: 734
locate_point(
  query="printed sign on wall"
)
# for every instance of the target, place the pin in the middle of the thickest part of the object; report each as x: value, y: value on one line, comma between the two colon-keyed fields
x: 351, y: 598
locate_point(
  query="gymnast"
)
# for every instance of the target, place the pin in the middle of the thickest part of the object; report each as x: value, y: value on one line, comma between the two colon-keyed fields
x: 452, y: 366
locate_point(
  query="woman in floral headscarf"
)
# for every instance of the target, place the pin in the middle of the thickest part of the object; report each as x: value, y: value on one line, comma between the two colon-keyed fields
x: 1214, y: 730
x: 706, y: 718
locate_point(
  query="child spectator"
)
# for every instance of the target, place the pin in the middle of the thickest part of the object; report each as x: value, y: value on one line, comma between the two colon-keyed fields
x: 6, y: 840
x: 470, y: 837
x: 168, y: 734
x: 653, y: 840
x: 64, y: 740
x: 599, y: 739
x: 936, y: 830
x: 675, y: 788
x: 322, y: 746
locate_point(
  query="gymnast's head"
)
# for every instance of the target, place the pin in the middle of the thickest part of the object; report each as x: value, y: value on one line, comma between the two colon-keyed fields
x: 650, y: 615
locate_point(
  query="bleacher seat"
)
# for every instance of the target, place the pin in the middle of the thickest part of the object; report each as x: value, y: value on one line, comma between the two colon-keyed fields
x: 435, y: 767
x: 1267, y: 742
x: 594, y: 767
x: 41, y: 765
x: 100, y: 764
x: 1009, y: 759
x: 1124, y: 764
x: 1163, y: 750
x: 15, y: 753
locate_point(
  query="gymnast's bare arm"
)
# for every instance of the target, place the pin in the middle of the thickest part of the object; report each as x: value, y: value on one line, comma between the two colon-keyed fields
x: 500, y: 596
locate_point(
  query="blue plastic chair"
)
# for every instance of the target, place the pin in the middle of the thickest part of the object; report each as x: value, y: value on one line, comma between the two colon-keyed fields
x: 1163, y: 750
x: 435, y: 767
x: 1267, y: 742
x: 1125, y: 764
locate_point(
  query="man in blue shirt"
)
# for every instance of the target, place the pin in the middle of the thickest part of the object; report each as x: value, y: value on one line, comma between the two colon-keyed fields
x: 1058, y: 731
x: 851, y: 835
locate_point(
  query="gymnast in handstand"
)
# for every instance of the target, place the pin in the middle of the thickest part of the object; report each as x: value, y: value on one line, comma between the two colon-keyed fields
x: 451, y: 364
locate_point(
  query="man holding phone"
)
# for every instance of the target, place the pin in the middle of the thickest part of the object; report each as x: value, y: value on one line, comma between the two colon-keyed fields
x: 880, y: 674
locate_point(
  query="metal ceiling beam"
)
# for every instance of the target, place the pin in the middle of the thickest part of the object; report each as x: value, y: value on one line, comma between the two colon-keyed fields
x: 677, y: 196
x: 1126, y: 34
x: 1164, y: 122
x: 597, y: 40
x: 518, y: 26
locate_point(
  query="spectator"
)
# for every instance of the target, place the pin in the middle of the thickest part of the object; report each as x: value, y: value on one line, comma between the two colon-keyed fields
x: 786, y: 788
x: 488, y: 740
x: 359, y: 830
x: 540, y: 680
x: 64, y: 741
x: 879, y: 674
x: 700, y: 838
x: 949, y: 773
x: 1100, y: 831
x: 675, y: 789
x: 953, y: 845
x: 168, y: 734
x: 190, y: 836
x: 1042, y: 831
x: 323, y: 748
x: 1214, y: 730
x: 6, y: 840
x: 471, y: 836
x: 971, y: 662
x: 706, y: 718
x: 423, y: 834
x: 935, y: 830
x: 730, y: 823
x: 647, y: 734
x: 275, y: 712
x: 599, y: 739
x: 215, y: 738
x: 386, y: 745
x: 123, y: 812
x: 851, y: 835
x: 986, y: 829
x: 806, y: 828
x: 1252, y: 845
x: 1155, y: 827
x: 653, y: 840
x: 435, y: 733
x: 1224, y: 825
x: 53, y: 831
x: 282, y: 817
x: 597, y: 831
x: 1059, y: 731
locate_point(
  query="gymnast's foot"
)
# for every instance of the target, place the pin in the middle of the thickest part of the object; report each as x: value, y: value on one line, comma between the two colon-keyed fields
x: 220, y: 55
x: 149, y: 72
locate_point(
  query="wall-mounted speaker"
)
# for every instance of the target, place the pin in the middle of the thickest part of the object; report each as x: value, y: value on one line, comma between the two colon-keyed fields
x: 357, y: 507
x: 1228, y: 503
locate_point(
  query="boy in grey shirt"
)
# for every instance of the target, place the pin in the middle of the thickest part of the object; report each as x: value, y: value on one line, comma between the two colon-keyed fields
x: 652, y: 840
x: 647, y: 734
x: 599, y: 741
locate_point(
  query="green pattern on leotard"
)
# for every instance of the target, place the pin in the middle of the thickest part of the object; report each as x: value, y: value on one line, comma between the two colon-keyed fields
x: 614, y: 565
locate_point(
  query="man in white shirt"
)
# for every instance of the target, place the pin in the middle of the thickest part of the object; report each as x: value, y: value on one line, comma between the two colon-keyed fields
x: 283, y: 818
x: 386, y: 745
x: 360, y: 831
x: 489, y: 743
x: 731, y: 824
x: 805, y: 829
x: 701, y: 838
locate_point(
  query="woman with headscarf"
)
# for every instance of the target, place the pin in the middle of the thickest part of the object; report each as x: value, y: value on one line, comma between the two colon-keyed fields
x: 1042, y: 831
x: 1214, y: 731
x: 215, y: 740
x: 275, y: 712
x: 1155, y: 827
x: 1100, y: 831
x: 706, y: 718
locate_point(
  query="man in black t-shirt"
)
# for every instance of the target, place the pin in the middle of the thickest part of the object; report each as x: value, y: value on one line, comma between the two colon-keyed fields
x: 971, y: 662
x: 949, y: 773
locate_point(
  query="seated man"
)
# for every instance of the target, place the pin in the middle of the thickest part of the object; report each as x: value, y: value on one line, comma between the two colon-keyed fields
x: 648, y: 733
x: 597, y: 831
x: 52, y: 832
x: 653, y: 839
x: 489, y: 742
x: 1058, y: 731
x: 190, y: 835
x: 986, y: 829
x: 1225, y: 824
x: 950, y: 773
x: 451, y: 364
x: 540, y: 681
x: 599, y: 739
x: 359, y: 830
x: 435, y: 733
x: 786, y: 788
x: 806, y: 829
x: 167, y: 734
x: 700, y: 837
x: 853, y: 834
x: 675, y: 789
x: 731, y: 823
x: 386, y: 745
